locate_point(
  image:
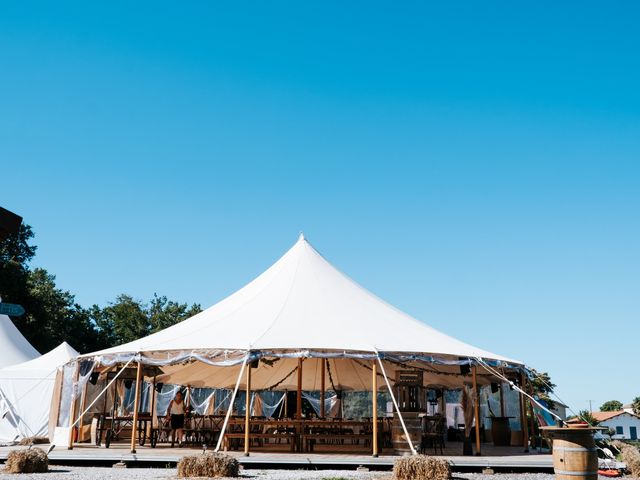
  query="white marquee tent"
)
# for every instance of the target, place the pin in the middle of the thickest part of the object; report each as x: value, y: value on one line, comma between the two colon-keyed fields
x: 14, y: 348
x: 301, y: 309
x: 26, y: 392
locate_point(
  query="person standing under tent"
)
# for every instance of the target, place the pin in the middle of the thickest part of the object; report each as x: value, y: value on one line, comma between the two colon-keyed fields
x: 176, y: 411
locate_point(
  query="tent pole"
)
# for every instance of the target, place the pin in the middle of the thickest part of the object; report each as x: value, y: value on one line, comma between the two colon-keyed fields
x: 153, y: 398
x: 395, y: 404
x: 247, y: 413
x: 285, y: 404
x: 233, y: 398
x: 299, y: 394
x: 532, y: 418
x: 374, y: 406
x: 323, y: 363
x: 83, y: 405
x: 72, y: 414
x: 523, y: 413
x: 476, y: 409
x: 527, y: 406
x: 136, y: 407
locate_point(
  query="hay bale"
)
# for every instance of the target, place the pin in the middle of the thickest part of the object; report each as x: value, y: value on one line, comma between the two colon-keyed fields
x: 208, y: 465
x: 25, y: 442
x: 421, y: 467
x: 33, y: 460
x: 630, y: 455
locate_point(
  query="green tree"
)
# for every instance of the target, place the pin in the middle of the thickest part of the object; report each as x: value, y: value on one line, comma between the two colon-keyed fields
x: 611, y: 406
x: 543, y: 387
x: 125, y: 319
x: 635, y: 405
x: 164, y: 313
x: 586, y: 416
x: 128, y: 319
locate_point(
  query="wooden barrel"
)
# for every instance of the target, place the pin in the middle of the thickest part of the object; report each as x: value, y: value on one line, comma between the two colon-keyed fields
x: 574, y: 454
x: 398, y: 437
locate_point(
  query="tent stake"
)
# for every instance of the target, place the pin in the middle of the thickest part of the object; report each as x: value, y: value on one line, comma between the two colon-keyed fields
x: 247, y: 413
x: 374, y: 406
x: 136, y: 407
x: 233, y: 398
x: 476, y: 410
x: 395, y: 404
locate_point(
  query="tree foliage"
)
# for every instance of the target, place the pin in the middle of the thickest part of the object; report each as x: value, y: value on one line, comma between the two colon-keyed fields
x: 53, y: 316
x: 635, y: 405
x: 586, y: 416
x: 543, y: 387
x: 611, y: 406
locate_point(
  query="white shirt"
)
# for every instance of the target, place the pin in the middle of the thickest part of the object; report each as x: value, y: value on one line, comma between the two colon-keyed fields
x: 177, y: 408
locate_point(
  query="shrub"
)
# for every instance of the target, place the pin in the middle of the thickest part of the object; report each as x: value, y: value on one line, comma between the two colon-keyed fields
x: 208, y: 465
x: 33, y: 460
x: 421, y: 467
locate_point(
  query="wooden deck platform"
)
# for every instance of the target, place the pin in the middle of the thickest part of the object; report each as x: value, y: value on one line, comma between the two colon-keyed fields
x: 499, y: 458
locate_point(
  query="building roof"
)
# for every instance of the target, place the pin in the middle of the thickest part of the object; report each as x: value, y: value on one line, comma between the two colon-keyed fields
x: 603, y: 416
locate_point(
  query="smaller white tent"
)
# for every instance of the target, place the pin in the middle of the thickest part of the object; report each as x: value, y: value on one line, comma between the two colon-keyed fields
x: 14, y: 348
x: 26, y: 391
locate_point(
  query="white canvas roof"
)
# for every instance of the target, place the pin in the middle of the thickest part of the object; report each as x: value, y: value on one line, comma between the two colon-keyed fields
x: 14, y: 348
x: 302, y: 302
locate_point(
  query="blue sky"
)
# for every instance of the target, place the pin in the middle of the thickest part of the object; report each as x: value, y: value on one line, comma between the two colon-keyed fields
x: 475, y: 164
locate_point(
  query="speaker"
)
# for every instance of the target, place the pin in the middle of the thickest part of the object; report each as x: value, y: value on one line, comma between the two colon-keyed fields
x: 9, y: 223
x: 128, y: 383
x: 159, y: 386
x: 93, y: 379
x: 255, y: 363
x: 495, y: 388
x: 465, y: 369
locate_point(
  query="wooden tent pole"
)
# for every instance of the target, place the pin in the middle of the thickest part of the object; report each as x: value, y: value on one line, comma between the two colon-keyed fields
x: 374, y: 405
x: 72, y: 413
x: 523, y: 420
x: 299, y: 394
x: 136, y: 407
x: 476, y: 409
x: 83, y: 405
x: 322, y: 386
x: 153, y: 399
x: 532, y: 419
x: 247, y: 413
x: 286, y: 404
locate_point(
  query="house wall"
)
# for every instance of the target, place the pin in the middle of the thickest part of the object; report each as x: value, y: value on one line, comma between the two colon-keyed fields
x: 625, y: 421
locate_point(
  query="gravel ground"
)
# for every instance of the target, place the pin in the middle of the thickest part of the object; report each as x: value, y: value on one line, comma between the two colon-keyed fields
x: 91, y: 473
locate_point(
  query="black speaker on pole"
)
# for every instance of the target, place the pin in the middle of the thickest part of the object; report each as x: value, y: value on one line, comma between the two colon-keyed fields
x: 494, y: 387
x: 465, y: 369
x: 9, y: 223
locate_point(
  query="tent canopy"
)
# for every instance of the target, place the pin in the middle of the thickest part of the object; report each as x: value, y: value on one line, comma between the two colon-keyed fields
x: 301, y: 303
x: 43, y: 365
x: 14, y: 348
x: 26, y: 393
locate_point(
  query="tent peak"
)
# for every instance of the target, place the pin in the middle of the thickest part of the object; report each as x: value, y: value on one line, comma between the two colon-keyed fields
x: 301, y: 237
